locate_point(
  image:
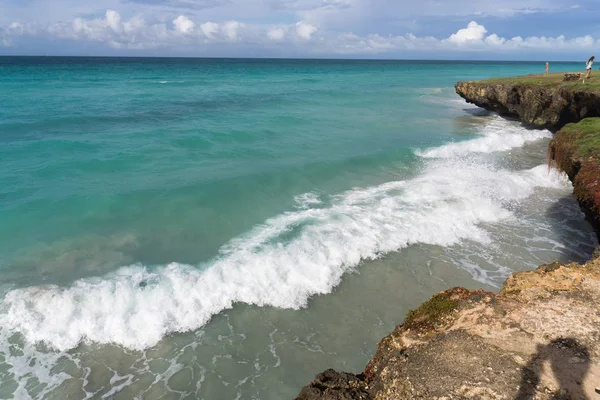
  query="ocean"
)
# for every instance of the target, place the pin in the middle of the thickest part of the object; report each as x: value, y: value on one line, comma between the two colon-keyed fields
x: 228, y: 228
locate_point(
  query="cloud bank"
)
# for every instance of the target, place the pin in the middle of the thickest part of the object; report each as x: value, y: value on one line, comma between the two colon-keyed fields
x: 188, y: 34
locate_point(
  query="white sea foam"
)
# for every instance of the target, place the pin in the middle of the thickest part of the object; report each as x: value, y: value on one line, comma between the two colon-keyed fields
x: 498, y: 135
x: 27, y: 361
x: 287, y: 259
x: 307, y: 200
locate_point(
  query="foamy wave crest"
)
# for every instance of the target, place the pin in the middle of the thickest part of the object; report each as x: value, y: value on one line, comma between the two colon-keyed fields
x: 281, y: 263
x: 498, y: 135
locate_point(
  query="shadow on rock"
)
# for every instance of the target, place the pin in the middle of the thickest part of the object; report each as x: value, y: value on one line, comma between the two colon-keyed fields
x: 566, y: 360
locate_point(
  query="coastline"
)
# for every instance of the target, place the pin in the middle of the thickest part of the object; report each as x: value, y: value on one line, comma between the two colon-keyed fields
x: 536, y: 338
x: 372, y: 189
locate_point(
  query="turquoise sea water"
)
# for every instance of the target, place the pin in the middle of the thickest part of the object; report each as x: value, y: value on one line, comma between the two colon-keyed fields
x: 198, y: 228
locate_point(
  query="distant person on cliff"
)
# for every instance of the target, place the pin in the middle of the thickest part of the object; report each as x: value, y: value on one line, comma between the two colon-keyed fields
x: 588, y: 67
x: 547, y: 68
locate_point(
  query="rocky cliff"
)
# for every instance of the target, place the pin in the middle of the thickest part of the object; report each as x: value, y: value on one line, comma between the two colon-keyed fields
x: 575, y: 149
x: 547, y: 104
x: 539, y: 338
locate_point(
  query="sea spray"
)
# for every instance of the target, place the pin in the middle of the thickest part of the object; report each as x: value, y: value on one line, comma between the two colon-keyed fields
x: 497, y: 135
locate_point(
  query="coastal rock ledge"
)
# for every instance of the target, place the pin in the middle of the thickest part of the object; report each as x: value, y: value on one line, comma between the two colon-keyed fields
x: 539, y: 338
x: 543, y: 102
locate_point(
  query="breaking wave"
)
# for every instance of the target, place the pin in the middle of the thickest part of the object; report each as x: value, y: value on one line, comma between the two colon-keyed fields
x: 290, y: 257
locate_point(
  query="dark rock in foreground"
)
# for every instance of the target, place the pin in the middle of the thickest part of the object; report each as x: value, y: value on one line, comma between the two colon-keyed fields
x: 332, y: 385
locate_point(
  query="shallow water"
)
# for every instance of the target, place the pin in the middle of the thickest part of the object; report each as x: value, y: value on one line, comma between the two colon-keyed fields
x: 229, y: 228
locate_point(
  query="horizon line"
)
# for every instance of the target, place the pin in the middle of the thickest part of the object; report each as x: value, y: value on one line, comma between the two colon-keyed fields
x: 281, y: 58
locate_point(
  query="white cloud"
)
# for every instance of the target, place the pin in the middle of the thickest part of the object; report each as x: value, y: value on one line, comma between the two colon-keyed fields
x: 494, y: 40
x: 183, y: 25
x: 191, y: 36
x: 385, y: 16
x: 209, y: 29
x: 135, y: 24
x: 230, y: 29
x: 305, y: 30
x: 276, y: 33
x: 586, y: 41
x: 340, y: 16
x: 113, y: 20
x: 472, y: 33
x: 15, y: 26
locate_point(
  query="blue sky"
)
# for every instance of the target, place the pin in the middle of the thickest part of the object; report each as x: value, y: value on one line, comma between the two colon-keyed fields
x: 447, y: 29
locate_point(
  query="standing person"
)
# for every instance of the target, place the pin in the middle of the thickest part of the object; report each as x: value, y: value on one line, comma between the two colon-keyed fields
x: 546, y: 67
x: 588, y: 67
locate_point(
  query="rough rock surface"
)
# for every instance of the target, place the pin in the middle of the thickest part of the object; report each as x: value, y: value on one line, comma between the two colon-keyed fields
x: 539, y: 338
x: 542, y: 106
x: 575, y: 149
x: 572, y: 77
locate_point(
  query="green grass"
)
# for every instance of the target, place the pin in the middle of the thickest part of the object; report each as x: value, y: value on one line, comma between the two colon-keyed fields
x: 576, y: 150
x: 432, y: 312
x: 550, y: 81
x: 584, y: 136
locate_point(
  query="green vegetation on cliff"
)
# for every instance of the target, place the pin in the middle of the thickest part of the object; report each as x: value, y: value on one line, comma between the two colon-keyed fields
x: 537, y: 100
x: 550, y: 81
x: 584, y: 137
x: 434, y: 312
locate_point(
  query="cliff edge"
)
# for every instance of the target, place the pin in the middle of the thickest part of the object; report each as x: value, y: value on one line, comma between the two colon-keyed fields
x: 537, y: 100
x: 575, y: 149
x: 539, y: 338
